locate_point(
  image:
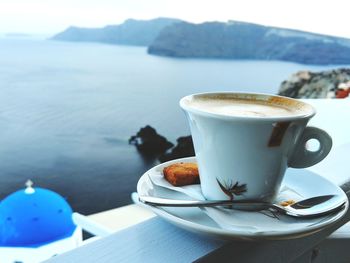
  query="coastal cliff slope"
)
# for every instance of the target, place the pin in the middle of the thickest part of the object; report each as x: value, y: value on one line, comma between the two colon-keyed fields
x: 305, y: 84
x: 131, y: 32
x: 240, y: 40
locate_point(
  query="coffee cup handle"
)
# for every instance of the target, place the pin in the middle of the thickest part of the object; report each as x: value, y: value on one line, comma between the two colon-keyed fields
x: 302, y: 157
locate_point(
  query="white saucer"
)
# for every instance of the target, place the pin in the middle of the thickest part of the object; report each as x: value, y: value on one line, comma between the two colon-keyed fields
x: 241, y: 224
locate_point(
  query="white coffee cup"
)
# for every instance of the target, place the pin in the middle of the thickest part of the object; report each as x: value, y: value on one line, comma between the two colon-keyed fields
x: 244, y: 142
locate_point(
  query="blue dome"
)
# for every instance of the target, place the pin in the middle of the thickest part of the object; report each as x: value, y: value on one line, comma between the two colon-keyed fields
x: 34, y: 218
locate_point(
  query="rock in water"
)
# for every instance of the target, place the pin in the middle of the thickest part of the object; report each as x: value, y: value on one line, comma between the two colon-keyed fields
x: 325, y: 84
x: 184, y: 148
x: 148, y: 141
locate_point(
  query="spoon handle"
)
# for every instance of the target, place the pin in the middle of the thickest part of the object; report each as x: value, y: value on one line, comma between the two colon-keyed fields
x: 311, y: 207
x: 150, y: 200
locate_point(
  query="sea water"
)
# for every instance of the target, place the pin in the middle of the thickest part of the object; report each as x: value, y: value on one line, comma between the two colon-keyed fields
x: 68, y: 109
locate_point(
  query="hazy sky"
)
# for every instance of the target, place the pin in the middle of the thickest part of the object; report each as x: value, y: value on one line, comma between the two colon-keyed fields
x: 51, y: 16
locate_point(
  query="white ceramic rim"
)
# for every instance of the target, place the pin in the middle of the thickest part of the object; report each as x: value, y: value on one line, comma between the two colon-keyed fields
x: 226, y: 234
x: 309, y: 113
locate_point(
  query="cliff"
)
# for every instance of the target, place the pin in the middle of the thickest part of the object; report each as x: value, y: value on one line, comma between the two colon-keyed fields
x: 240, y: 40
x: 131, y: 32
x: 326, y: 84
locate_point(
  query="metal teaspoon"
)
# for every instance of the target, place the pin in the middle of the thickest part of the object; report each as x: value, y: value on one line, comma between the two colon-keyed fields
x: 310, y: 207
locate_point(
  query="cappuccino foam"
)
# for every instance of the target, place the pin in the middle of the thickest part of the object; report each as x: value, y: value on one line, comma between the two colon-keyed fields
x: 242, y: 107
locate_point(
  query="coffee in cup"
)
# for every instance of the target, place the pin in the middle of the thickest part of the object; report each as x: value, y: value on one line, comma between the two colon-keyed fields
x: 231, y: 106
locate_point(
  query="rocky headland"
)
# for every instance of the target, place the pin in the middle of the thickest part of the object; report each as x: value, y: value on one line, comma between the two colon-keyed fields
x: 231, y: 40
x: 326, y: 84
x: 240, y: 40
x: 131, y: 32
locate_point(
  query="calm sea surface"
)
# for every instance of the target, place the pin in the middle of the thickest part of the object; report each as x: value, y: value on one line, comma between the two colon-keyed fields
x: 68, y: 109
